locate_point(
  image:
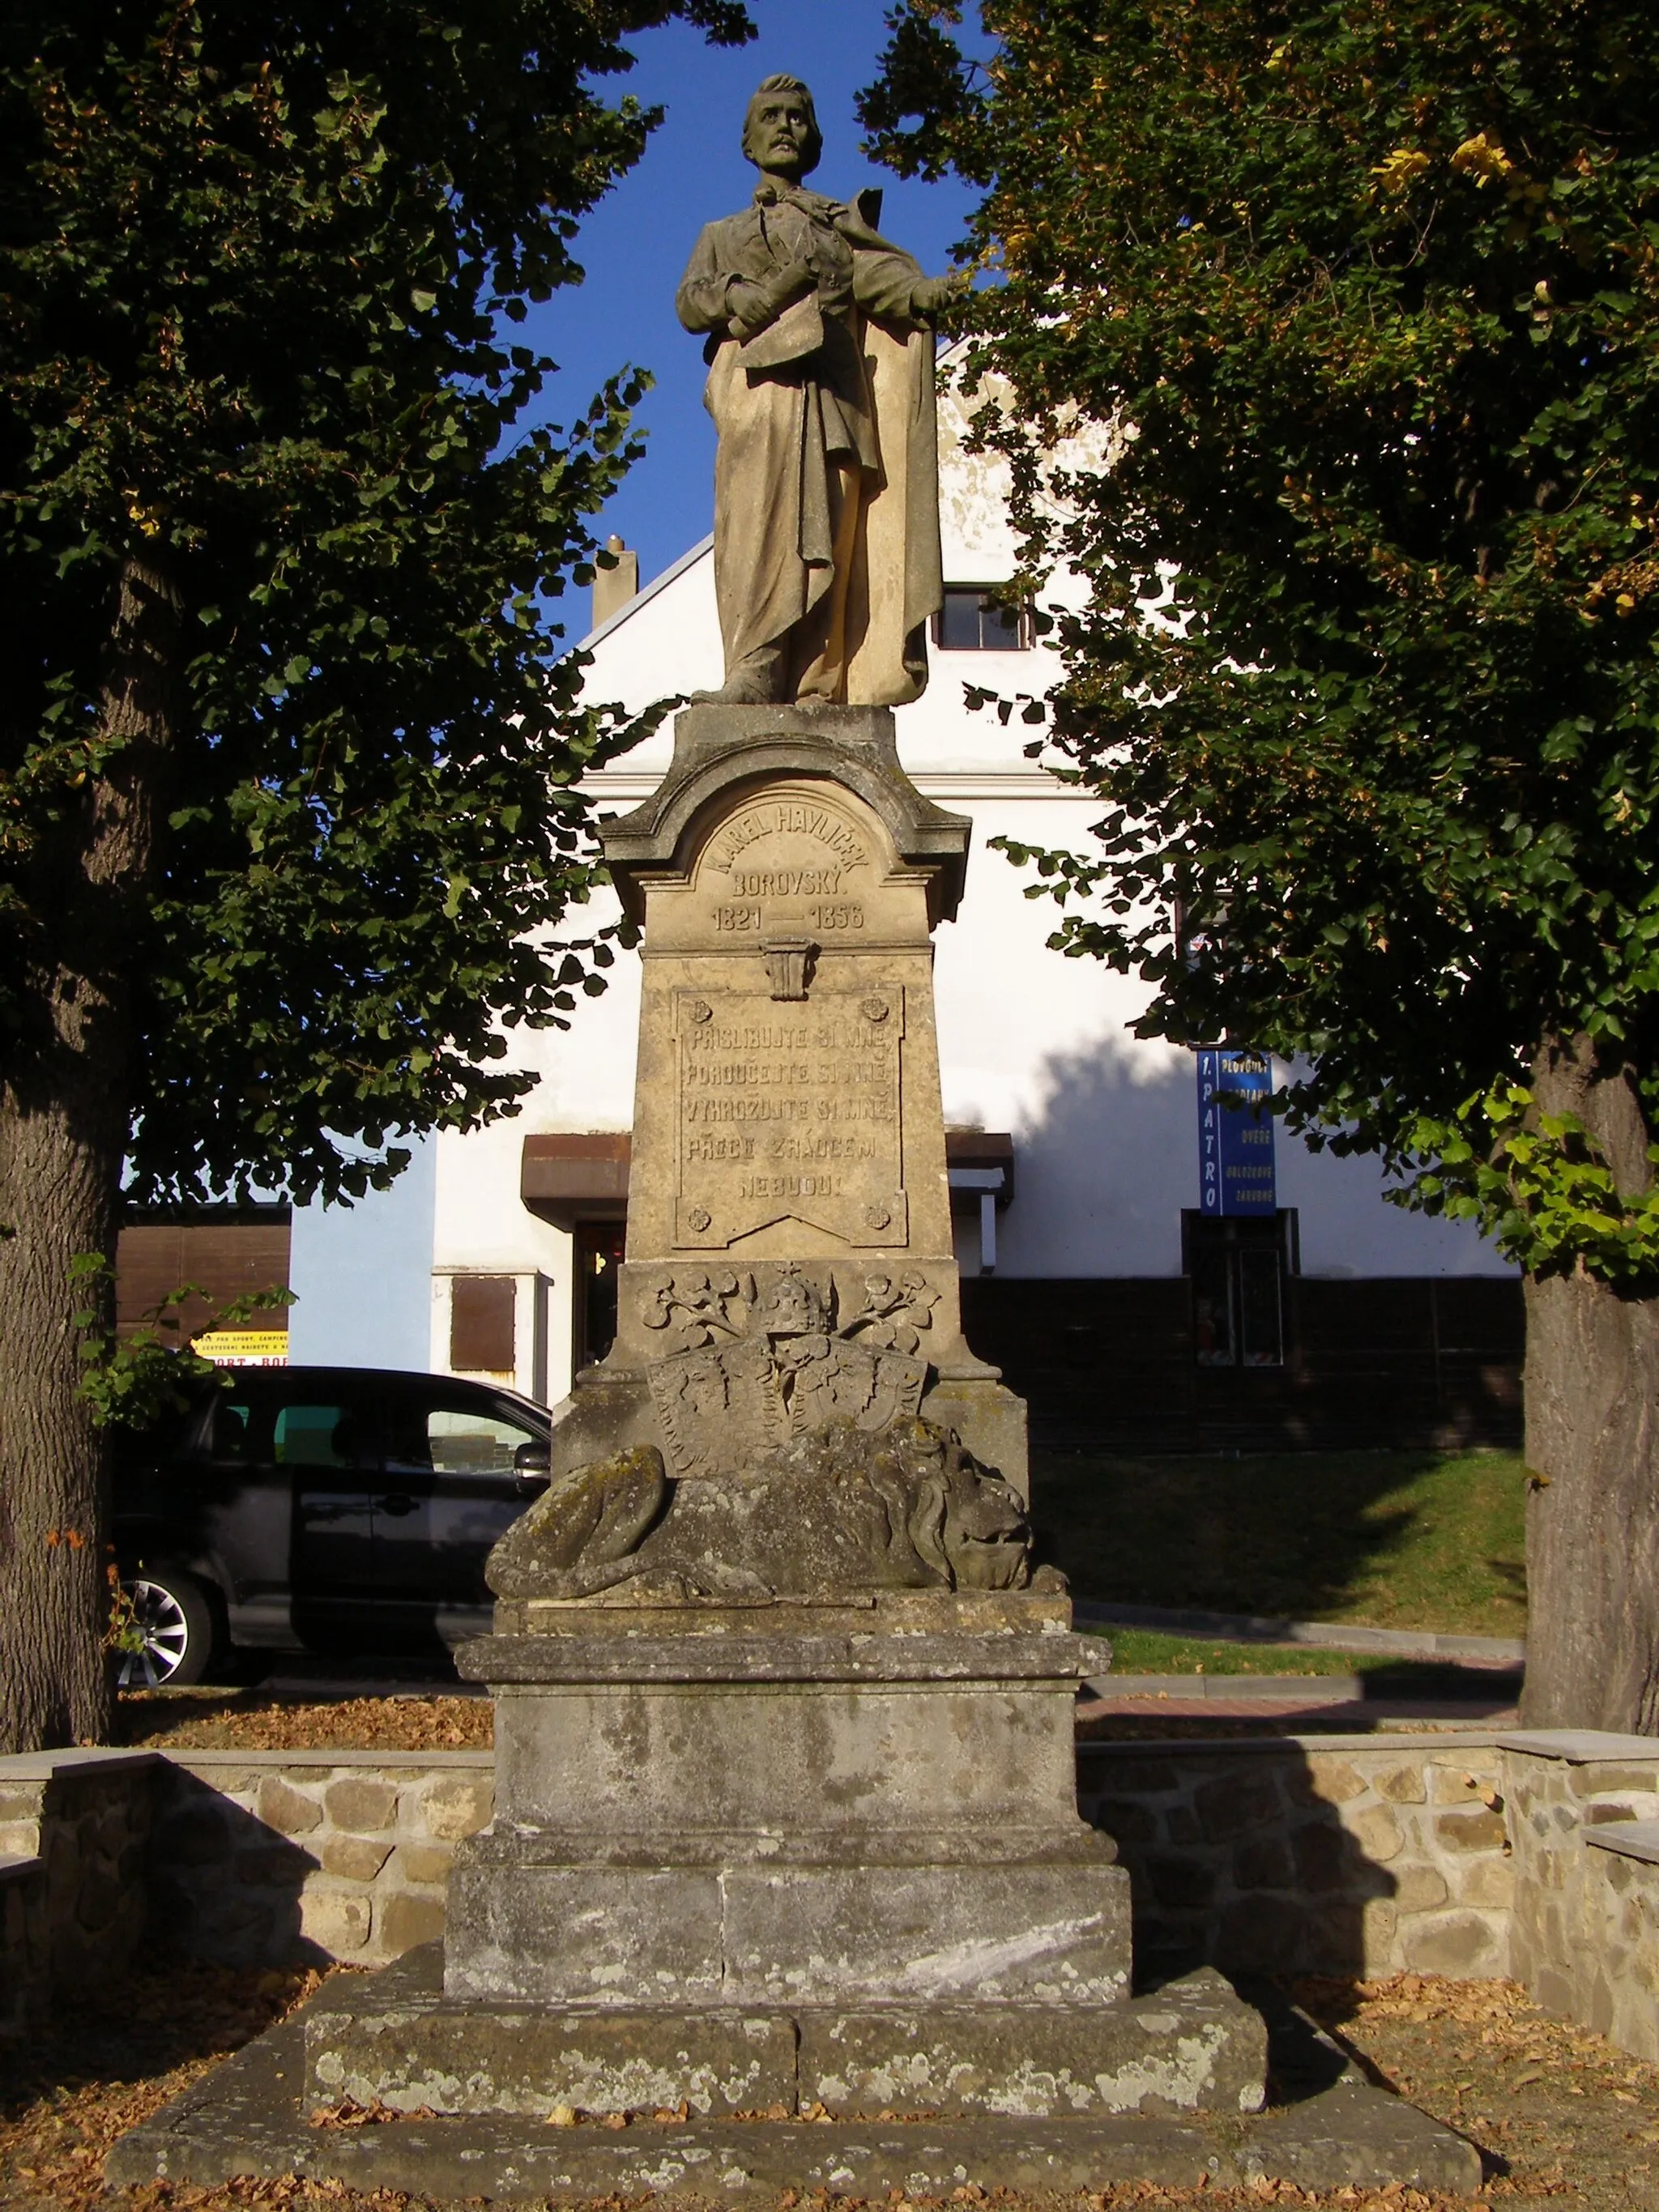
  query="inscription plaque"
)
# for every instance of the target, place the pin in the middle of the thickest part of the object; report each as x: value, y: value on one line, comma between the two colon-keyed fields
x: 789, y: 1112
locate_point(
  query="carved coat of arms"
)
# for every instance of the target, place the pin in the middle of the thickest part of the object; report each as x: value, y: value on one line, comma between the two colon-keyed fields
x: 760, y: 1369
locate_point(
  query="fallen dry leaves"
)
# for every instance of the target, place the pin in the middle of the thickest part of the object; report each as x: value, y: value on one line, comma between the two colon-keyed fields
x: 1563, y: 2117
x: 432, y: 1720
x: 1566, y: 2120
x: 263, y: 1720
x: 101, y: 2067
x: 349, y: 2113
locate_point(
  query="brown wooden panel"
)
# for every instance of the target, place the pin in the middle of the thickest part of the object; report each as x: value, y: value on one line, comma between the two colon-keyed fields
x: 149, y: 1263
x: 1483, y: 1313
x: 481, y: 1319
x: 225, y: 1258
x: 980, y: 1148
x: 1369, y: 1313
x: 1105, y: 1356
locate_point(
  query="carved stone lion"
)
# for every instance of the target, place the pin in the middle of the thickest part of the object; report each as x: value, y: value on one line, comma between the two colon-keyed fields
x: 837, y: 1511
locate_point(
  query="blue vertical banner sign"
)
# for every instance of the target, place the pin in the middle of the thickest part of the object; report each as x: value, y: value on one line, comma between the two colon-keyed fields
x: 1235, y: 1142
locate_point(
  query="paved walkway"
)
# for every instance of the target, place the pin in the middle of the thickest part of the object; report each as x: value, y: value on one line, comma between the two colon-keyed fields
x: 1316, y: 1708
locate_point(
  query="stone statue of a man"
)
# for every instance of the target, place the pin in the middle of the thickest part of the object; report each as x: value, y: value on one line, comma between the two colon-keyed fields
x: 821, y: 384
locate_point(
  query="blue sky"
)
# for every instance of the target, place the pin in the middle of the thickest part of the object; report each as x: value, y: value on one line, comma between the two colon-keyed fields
x: 637, y: 243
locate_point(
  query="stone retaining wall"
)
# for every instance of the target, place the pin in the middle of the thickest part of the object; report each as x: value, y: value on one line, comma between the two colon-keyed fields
x: 23, y: 1974
x: 1584, y: 1812
x: 1615, y: 1989
x: 1470, y: 1854
x: 1329, y: 1855
x: 74, y: 1846
x: 263, y: 1859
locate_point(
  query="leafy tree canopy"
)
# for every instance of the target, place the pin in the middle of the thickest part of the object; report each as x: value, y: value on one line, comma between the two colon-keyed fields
x: 261, y: 267
x: 1366, y: 675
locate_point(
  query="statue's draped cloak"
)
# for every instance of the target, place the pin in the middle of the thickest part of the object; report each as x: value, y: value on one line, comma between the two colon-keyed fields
x: 826, y: 485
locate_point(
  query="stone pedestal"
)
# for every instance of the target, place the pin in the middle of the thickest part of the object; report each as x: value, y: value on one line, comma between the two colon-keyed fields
x: 865, y: 1818
x: 788, y: 876
x: 785, y: 1809
x: 785, y: 1823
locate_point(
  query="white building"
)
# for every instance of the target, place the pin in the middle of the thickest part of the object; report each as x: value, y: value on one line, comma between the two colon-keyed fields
x: 1109, y: 1299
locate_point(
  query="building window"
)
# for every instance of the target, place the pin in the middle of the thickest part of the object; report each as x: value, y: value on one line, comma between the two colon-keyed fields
x: 970, y: 622
x: 600, y: 1246
x: 1237, y: 1266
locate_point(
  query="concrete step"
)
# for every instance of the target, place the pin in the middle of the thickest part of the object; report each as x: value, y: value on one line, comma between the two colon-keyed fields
x: 248, y: 2117
x: 392, y: 2039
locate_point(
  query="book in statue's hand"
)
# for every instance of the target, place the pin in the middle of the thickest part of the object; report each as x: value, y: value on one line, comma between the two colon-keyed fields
x: 798, y: 331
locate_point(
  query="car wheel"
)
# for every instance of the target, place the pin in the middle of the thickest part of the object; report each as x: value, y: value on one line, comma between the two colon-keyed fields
x: 171, y: 1615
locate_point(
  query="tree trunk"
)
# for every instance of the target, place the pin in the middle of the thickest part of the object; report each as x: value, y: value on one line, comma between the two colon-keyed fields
x: 1592, y: 1397
x: 59, y: 1167
x: 65, y: 1094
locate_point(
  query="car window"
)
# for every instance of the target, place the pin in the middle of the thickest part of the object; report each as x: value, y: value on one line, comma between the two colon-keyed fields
x: 230, y: 1430
x: 316, y: 1436
x: 477, y: 1441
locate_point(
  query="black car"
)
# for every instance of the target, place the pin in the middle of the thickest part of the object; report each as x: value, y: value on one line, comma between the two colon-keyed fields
x: 321, y: 1509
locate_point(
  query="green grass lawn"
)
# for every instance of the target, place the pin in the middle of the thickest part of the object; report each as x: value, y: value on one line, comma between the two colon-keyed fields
x: 1396, y: 1540
x: 1146, y: 1651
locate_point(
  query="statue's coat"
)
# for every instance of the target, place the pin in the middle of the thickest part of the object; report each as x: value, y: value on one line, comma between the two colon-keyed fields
x: 826, y: 486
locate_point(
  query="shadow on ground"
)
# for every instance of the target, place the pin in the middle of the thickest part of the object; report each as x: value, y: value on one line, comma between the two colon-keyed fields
x: 105, y: 2060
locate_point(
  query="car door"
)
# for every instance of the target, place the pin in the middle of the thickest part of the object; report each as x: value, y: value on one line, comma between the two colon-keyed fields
x: 324, y: 1439
x: 197, y: 1490
x: 450, y: 1487
x: 248, y: 1519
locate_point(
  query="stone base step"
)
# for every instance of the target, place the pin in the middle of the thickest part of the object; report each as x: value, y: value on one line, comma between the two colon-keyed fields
x: 392, y: 2039
x: 246, y: 2119
x: 624, y: 1922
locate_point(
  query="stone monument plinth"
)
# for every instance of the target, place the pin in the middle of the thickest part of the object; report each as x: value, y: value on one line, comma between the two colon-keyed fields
x: 787, y: 1122
x: 786, y: 1810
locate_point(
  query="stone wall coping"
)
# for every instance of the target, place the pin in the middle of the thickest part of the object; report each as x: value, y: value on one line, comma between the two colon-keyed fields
x: 1575, y: 1746
x: 14, y: 1867
x: 1391, y: 1742
x: 216, y: 1761
x: 1580, y: 1747
x: 45, y: 1765
x: 1636, y: 1840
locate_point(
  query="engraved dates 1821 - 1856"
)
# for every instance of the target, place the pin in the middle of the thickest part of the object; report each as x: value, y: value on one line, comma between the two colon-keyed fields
x: 745, y: 921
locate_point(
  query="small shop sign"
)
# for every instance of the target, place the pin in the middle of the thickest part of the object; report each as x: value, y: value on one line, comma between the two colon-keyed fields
x: 1235, y: 1173
x: 243, y: 1347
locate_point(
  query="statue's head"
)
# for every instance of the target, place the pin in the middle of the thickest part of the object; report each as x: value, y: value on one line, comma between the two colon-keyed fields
x: 781, y: 134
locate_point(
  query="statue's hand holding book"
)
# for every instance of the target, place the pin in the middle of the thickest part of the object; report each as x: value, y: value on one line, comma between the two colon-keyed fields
x: 757, y: 303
